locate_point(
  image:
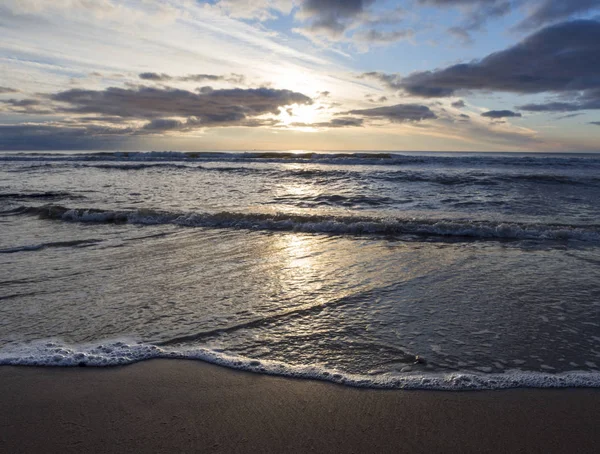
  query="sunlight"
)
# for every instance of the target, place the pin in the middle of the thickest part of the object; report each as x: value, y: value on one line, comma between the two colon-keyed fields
x: 298, y: 116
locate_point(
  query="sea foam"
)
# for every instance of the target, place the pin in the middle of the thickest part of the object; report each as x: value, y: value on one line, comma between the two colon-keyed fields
x: 53, y: 353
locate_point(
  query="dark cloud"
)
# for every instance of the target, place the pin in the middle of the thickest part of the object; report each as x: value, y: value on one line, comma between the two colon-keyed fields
x: 399, y: 113
x: 392, y: 81
x: 26, y: 106
x: 21, y: 102
x: 332, y: 17
x: 465, y: 116
x: 337, y: 8
x: 8, y: 90
x: 373, y: 36
x: 559, y: 58
x: 163, y: 124
x: 550, y: 107
x: 233, y: 78
x: 564, y: 117
x: 104, y: 118
x: 351, y: 21
x: 214, y: 107
x: 500, y: 114
x: 155, y: 77
x: 342, y: 122
x: 201, y: 78
x: 548, y: 11
x: 458, y: 104
x: 162, y: 77
x: 381, y: 99
x: 539, y: 12
x: 100, y: 119
x: 597, y: 123
x: 477, y: 12
x: 345, y: 121
x: 585, y: 100
x: 60, y: 136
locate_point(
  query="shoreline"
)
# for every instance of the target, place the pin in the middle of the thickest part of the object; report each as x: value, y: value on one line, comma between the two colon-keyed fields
x: 175, y: 405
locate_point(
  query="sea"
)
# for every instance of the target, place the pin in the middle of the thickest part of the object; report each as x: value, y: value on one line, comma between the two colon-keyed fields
x: 451, y: 271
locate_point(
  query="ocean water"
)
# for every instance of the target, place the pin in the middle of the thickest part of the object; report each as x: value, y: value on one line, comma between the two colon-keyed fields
x: 399, y: 270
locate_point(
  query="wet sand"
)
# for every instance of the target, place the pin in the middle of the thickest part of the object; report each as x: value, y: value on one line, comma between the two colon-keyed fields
x: 175, y: 406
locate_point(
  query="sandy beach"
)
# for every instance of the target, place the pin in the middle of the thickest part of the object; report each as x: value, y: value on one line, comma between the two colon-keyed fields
x: 190, y: 406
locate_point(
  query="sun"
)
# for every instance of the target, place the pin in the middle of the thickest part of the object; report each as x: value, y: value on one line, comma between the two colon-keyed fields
x: 299, y: 115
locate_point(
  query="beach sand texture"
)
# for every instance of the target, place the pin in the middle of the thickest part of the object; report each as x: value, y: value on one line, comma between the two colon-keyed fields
x: 174, y: 406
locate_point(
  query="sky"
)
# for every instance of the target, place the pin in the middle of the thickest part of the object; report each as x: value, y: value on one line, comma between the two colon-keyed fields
x: 406, y: 75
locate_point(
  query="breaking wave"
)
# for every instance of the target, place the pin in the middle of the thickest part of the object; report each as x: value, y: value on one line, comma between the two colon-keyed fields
x: 339, y: 225
x: 116, y: 353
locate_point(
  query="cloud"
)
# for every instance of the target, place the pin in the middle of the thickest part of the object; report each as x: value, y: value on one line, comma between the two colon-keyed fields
x: 163, y: 124
x: 97, y: 117
x: 597, y: 123
x: 26, y: 106
x: 476, y: 12
x: 213, y: 107
x: 332, y: 17
x: 500, y: 114
x: 458, y: 104
x: 392, y: 81
x: 399, y: 113
x: 342, y: 122
x: 345, y: 121
x: 538, y: 12
x: 564, y: 117
x: 59, y: 136
x: 155, y: 77
x: 162, y: 77
x: 585, y: 100
x: 261, y: 10
x: 8, y: 90
x: 100, y: 118
x: 559, y: 58
x: 21, y: 102
x: 373, y: 36
x: 233, y: 78
x: 461, y: 34
x: 548, y: 11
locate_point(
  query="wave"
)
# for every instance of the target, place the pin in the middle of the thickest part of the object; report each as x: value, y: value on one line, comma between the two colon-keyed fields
x: 483, y: 179
x: 117, y: 353
x: 361, y: 158
x: 39, y: 195
x: 327, y: 175
x: 55, y: 244
x: 333, y: 200
x: 339, y: 225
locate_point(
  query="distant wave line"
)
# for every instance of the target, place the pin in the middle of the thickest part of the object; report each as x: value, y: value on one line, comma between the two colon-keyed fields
x: 361, y: 158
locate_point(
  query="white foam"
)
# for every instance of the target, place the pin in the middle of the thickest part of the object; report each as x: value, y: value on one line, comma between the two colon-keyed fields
x: 333, y: 224
x: 122, y: 352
